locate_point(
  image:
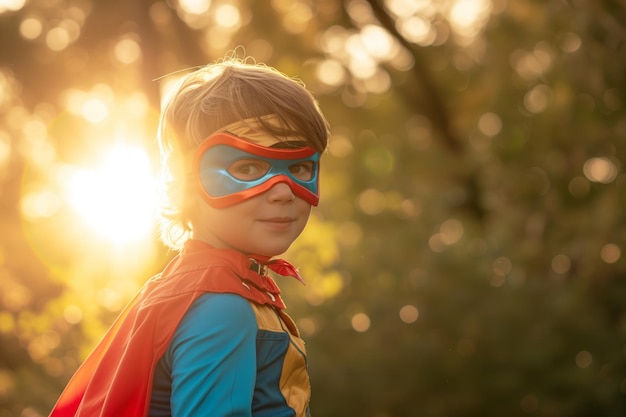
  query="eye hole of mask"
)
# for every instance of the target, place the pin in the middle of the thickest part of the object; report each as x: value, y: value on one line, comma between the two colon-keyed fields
x: 303, y: 171
x: 250, y: 169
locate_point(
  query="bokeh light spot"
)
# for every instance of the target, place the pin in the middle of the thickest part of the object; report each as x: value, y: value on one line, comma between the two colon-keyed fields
x: 451, y: 231
x: 611, y: 99
x: 11, y: 5
x: 127, y: 51
x: 436, y: 243
x: 610, y: 253
x: 195, y: 6
x: 330, y: 284
x: 409, y: 313
x: 361, y: 64
x: 532, y: 65
x: 340, y: 146
x: 57, y: 38
x: 31, y: 28
x: 583, y: 359
x: 417, y: 30
x: 72, y: 27
x: 296, y: 17
x: 331, y: 72
x: 15, y: 297
x: 467, y: 17
x: 160, y: 14
x: 371, y: 201
x: 361, y: 322
x: 227, y: 16
x: 73, y: 314
x: 490, y: 124
x: 537, y: 99
x: 600, y: 169
x: 379, y: 82
x: 578, y: 187
x: 50, y: 339
x: 360, y: 11
x: 94, y: 110
x: 405, y: 8
x: 502, y: 266
x: 377, y: 41
x: 561, y: 264
x: 570, y: 42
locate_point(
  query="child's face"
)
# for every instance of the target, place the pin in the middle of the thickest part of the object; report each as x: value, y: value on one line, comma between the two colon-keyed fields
x: 250, y: 197
x: 266, y: 224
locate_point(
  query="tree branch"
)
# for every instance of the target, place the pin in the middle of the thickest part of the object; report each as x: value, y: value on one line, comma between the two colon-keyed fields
x: 435, y: 109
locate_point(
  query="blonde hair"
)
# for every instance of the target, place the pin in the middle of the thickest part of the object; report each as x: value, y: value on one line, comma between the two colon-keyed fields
x: 212, y: 97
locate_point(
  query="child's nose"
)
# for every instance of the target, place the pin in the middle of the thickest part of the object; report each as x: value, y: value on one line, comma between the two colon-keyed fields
x: 280, y: 192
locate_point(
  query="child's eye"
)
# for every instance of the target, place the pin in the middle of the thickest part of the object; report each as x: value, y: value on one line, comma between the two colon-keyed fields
x: 302, y: 170
x: 248, y: 169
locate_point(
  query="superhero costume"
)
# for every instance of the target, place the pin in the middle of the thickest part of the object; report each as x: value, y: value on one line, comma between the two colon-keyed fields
x: 116, y: 379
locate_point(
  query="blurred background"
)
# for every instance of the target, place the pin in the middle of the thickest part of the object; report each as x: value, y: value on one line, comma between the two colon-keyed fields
x: 467, y: 258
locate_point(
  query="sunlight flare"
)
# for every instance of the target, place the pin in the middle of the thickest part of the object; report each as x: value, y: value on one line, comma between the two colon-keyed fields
x: 117, y: 198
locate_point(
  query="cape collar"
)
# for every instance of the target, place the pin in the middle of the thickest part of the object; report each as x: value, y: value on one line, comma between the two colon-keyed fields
x: 257, y: 263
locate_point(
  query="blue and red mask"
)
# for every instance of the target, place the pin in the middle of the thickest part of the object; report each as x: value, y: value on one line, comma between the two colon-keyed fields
x: 230, y: 170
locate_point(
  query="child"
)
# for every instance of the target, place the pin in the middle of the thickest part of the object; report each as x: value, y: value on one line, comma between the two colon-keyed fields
x: 209, y: 336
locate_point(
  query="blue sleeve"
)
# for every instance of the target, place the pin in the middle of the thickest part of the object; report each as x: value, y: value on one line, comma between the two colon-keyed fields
x: 212, y: 358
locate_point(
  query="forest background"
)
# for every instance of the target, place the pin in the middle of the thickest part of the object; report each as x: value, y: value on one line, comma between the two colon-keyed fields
x: 467, y: 258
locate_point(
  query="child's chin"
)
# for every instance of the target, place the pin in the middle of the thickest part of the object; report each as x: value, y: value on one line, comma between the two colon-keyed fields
x: 272, y: 252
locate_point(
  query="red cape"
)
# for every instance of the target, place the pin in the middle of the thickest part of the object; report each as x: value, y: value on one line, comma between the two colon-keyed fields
x: 116, y: 378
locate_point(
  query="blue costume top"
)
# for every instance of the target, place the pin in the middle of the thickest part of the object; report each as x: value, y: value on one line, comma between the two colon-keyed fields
x: 218, y: 367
